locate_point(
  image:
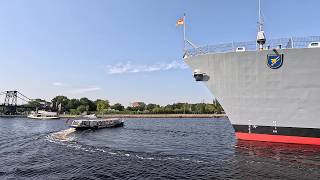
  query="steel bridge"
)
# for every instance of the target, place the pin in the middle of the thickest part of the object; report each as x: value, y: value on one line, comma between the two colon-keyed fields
x: 10, y: 105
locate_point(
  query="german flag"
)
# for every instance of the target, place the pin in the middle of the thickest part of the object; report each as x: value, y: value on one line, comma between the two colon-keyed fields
x: 180, y: 22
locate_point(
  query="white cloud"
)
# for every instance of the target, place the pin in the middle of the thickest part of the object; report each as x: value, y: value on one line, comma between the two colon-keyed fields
x: 125, y: 68
x: 58, y: 84
x: 84, y: 90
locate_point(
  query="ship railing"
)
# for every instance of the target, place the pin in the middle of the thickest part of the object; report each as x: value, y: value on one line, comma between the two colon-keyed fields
x: 282, y: 43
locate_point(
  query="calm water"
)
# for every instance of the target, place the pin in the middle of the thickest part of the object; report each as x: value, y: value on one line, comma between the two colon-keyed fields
x: 147, y: 149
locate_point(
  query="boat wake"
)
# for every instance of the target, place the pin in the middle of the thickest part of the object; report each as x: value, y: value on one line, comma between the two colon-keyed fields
x: 62, y: 136
x: 68, y: 138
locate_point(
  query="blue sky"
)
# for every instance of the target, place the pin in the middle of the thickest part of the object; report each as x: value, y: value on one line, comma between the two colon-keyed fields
x: 125, y: 50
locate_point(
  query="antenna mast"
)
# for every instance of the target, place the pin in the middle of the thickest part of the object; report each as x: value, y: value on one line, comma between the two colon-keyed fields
x: 184, y: 33
x: 260, y: 20
x: 261, y: 38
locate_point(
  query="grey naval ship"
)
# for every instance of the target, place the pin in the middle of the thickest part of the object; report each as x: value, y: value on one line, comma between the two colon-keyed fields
x: 269, y: 88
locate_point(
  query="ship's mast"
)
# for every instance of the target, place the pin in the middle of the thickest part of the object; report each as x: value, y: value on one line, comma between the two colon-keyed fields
x: 261, y: 38
x: 184, y: 33
x: 260, y: 20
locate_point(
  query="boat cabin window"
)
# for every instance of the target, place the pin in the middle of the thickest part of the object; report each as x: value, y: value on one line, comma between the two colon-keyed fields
x: 85, y: 123
x: 75, y: 122
x: 314, y: 45
x: 240, y: 49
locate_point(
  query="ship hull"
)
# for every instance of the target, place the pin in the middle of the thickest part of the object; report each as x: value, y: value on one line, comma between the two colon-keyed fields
x: 278, y: 138
x: 279, y: 105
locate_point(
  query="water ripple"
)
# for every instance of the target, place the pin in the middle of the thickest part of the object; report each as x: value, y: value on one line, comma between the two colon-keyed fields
x: 147, y: 149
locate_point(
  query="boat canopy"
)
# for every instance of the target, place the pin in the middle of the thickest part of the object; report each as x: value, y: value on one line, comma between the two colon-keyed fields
x: 46, y: 113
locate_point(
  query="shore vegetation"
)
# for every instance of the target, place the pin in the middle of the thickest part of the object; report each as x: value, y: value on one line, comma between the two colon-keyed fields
x: 64, y: 105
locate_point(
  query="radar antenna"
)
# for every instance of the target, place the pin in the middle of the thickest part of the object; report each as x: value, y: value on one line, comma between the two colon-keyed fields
x: 261, y: 38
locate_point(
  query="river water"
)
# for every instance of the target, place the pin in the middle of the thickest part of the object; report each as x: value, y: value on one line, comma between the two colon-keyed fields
x: 147, y: 149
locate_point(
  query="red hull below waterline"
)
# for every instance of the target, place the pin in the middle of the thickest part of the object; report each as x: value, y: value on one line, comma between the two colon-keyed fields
x: 278, y: 138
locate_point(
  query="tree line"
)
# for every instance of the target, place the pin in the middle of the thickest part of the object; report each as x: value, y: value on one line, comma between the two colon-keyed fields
x: 62, y: 104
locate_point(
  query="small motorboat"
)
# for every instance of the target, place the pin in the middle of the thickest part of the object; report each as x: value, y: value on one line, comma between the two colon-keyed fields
x: 96, y: 123
x: 43, y: 115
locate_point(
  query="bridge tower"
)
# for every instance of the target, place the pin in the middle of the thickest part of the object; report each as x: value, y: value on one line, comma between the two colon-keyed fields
x: 10, y: 105
x: 10, y: 102
x: 11, y: 98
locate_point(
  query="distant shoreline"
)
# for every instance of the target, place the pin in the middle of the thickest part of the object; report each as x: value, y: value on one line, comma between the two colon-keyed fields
x: 154, y: 116
x: 12, y: 116
x: 135, y: 116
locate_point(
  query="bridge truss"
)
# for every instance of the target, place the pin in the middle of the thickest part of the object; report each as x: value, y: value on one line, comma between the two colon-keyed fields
x: 10, y: 104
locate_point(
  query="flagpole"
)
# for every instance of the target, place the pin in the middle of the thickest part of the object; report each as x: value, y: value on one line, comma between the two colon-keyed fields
x: 184, y: 32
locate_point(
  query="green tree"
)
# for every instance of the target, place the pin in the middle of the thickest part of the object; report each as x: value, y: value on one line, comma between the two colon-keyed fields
x: 210, y: 108
x: 73, y: 104
x: 86, y: 102
x: 82, y: 108
x: 168, y: 109
x: 218, y: 107
x: 200, y: 108
x: 118, y: 107
x: 141, y: 106
x: 129, y: 108
x: 180, y: 108
x: 63, y: 100
x: 150, y: 107
x: 34, y: 104
x: 102, y: 105
x: 186, y: 108
x: 74, y: 112
x: 158, y: 110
